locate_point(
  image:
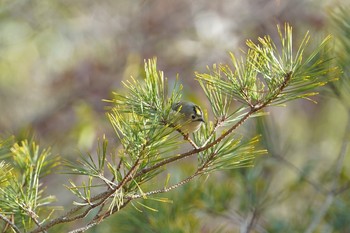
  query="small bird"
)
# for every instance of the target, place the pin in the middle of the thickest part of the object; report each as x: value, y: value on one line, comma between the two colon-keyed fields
x: 191, y: 116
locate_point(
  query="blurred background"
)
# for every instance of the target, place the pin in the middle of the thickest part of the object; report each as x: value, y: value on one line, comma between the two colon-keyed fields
x: 59, y: 59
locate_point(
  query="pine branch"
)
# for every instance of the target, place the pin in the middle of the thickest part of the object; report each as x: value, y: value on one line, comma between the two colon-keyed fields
x: 143, y: 123
x: 252, y: 111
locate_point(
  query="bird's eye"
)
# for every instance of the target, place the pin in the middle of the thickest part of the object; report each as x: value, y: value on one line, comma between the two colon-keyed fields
x: 193, y: 117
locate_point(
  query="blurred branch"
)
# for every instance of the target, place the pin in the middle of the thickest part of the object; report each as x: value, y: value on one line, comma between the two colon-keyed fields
x: 342, y: 189
x: 250, y: 221
x: 321, y: 212
x: 9, y: 223
x: 318, y: 187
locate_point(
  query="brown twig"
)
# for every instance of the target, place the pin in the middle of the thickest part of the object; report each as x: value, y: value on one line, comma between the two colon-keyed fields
x: 187, y: 138
x: 97, y: 221
x: 10, y: 223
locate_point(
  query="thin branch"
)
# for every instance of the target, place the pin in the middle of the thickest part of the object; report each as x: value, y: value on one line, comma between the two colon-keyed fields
x: 107, y: 181
x: 233, y: 220
x: 64, y: 218
x: 85, y: 228
x: 102, y: 197
x: 97, y: 221
x: 342, y: 189
x: 105, y: 195
x: 129, y: 175
x: 187, y: 138
x: 321, y: 212
x: 250, y: 221
x: 13, y: 226
x: 100, y: 218
x: 166, y: 189
x: 216, y: 126
x: 37, y: 223
x: 313, y: 183
x: 98, y: 213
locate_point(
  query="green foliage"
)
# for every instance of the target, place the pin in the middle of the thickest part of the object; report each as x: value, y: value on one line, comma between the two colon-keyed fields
x: 21, y: 192
x: 148, y: 97
x: 267, y: 75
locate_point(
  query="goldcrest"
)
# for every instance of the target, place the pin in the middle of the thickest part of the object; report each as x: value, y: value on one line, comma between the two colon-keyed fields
x: 191, y: 116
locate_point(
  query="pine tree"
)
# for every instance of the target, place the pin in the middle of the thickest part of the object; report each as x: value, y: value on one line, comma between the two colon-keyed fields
x: 268, y: 74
